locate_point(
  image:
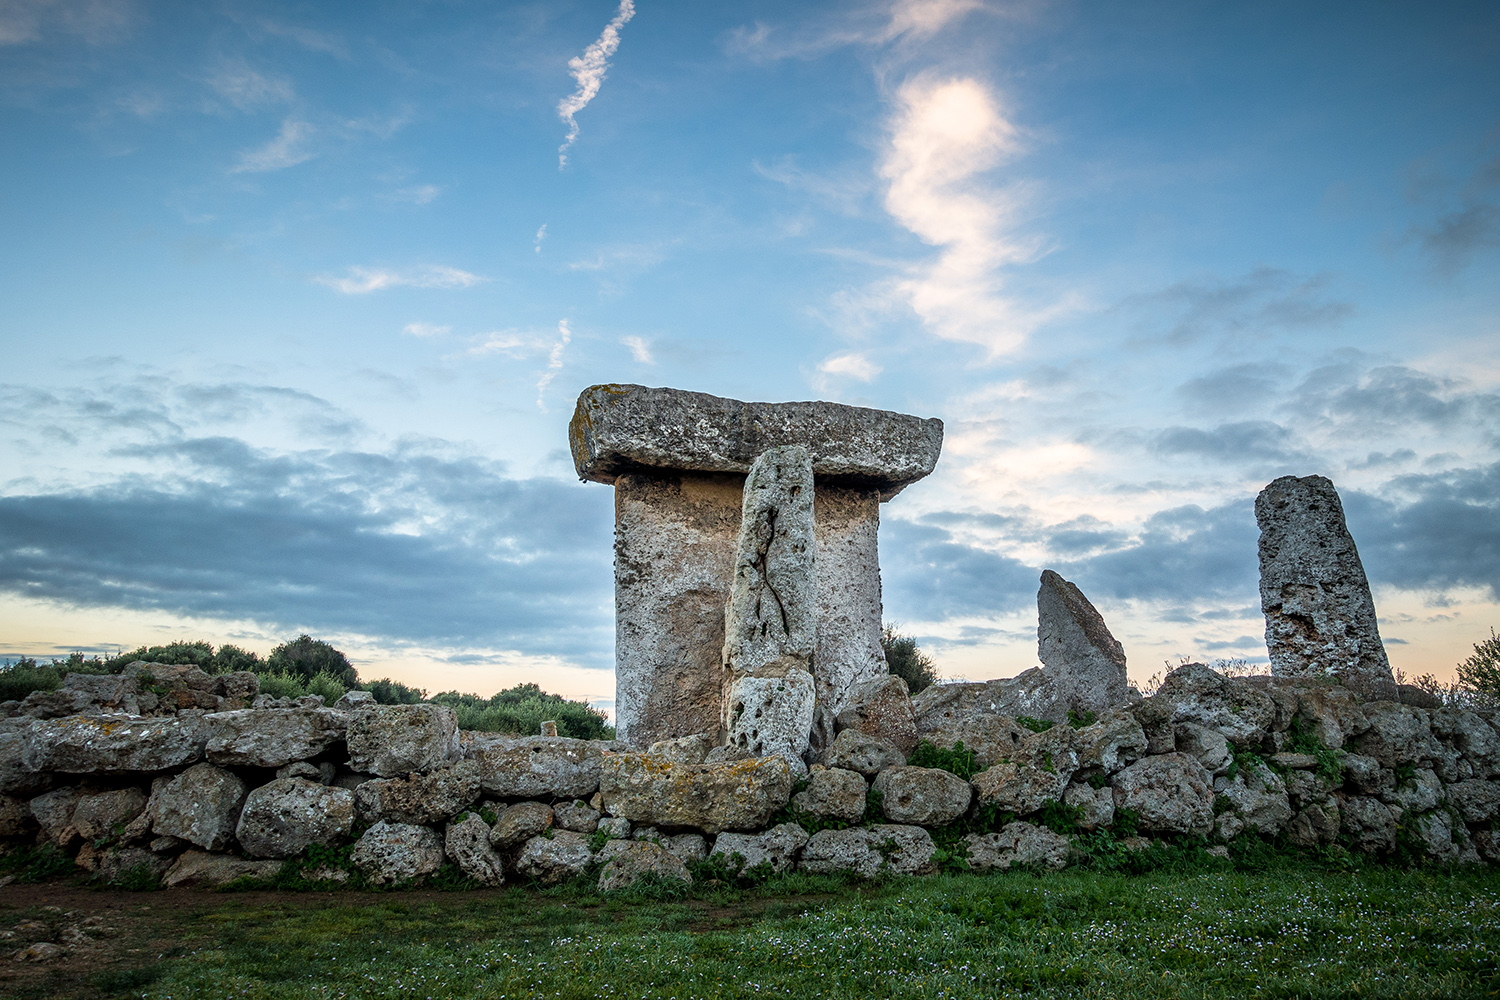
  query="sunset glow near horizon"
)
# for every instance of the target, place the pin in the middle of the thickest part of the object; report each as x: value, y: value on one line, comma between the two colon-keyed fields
x: 298, y: 300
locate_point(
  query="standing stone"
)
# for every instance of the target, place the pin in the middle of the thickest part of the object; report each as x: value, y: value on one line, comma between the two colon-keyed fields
x: 678, y: 462
x: 1077, y: 649
x: 1320, y: 618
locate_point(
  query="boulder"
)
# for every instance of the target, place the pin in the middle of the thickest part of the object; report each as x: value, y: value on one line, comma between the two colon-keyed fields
x: 201, y: 806
x: 577, y: 816
x: 467, y: 842
x: 1366, y: 776
x: 114, y: 693
x: 922, y: 796
x: 15, y: 816
x: 240, y: 687
x: 1258, y: 801
x: 283, y: 818
x: 684, y: 749
x: 1476, y: 801
x: 1031, y: 693
x: 1320, y: 618
x: 301, y: 769
x: 397, y: 853
x: 991, y: 737
x: 1433, y: 834
x: 1239, y: 710
x: 741, y: 795
x: 1207, y: 746
x: 419, y: 799
x: 554, y: 859
x: 201, y: 868
x: 1095, y: 806
x: 1315, y: 823
x: 833, y: 793
x: 1017, y: 844
x: 1331, y: 711
x: 631, y: 860
x: 394, y: 740
x: 271, y: 737
x: 869, y: 851
x: 1304, y: 788
x: 538, y: 767
x: 53, y: 812
x: 111, y: 865
x: 1470, y: 736
x: 85, y: 745
x: 1034, y: 777
x: 105, y: 814
x: 15, y: 779
x: 521, y: 822
x: 1417, y: 794
x: 689, y: 847
x: 1172, y: 792
x: 777, y: 848
x: 1398, y: 734
x: 1369, y: 823
x: 58, y: 704
x: 617, y: 827
x: 1076, y: 647
x: 881, y: 707
x: 1109, y: 744
x: 853, y: 750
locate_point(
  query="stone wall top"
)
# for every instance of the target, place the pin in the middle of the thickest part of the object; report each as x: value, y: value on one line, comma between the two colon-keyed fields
x: 620, y: 428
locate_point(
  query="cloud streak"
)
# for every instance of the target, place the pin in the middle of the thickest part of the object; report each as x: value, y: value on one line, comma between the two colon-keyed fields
x: 364, y: 280
x: 588, y: 72
x: 286, y: 150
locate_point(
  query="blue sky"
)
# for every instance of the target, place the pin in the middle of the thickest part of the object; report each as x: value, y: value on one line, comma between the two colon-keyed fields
x: 297, y: 299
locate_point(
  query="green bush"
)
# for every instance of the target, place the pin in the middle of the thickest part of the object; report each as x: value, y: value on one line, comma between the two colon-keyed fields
x: 389, y: 692
x: 1481, y: 672
x: 19, y: 679
x: 309, y: 657
x: 957, y: 760
x: 523, y: 709
x: 280, y: 685
x: 905, y: 660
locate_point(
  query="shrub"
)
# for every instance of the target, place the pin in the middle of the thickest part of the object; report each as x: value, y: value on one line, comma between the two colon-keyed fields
x: 389, y: 692
x: 905, y: 660
x: 19, y: 679
x: 957, y: 760
x: 280, y: 685
x: 523, y: 709
x: 309, y: 657
x: 1481, y: 672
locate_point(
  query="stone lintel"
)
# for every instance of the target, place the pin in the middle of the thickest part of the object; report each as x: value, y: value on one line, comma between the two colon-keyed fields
x: 618, y: 429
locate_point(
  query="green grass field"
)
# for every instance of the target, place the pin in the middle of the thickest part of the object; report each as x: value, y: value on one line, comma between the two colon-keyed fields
x: 1297, y: 932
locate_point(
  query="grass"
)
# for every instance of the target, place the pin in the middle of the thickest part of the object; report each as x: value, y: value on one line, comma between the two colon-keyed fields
x: 1293, y: 931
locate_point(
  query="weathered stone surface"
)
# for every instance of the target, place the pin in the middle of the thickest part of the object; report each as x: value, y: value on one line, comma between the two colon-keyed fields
x: 467, y: 842
x: 1469, y: 735
x: 301, y: 769
x: 632, y: 860
x: 1196, y: 693
x: 110, y: 864
x: 107, y: 692
x: 1398, y: 734
x: 1476, y: 801
x: 1207, y: 746
x: 1418, y: 793
x: 1172, y: 792
x: 833, y: 793
x: 538, y: 767
x: 881, y: 707
x: 1030, y: 693
x: 741, y: 795
x: 577, y: 816
x: 617, y: 827
x: 201, y: 806
x: 684, y: 749
x: 868, y: 851
x: 396, y: 853
x: 419, y: 798
x: 777, y: 848
x: 1331, y: 711
x: 770, y: 713
x: 1112, y: 742
x: 1036, y: 775
x: 394, y: 740
x: 261, y: 737
x: 15, y: 779
x: 1096, y: 806
x: 58, y: 704
x: 1365, y: 775
x: 922, y: 796
x: 240, y: 687
x: 54, y: 814
x: 554, y: 859
x: 688, y: 847
x: 991, y: 737
x: 1320, y: 618
x: 100, y: 814
x: 1258, y: 801
x: 1017, y: 844
x: 521, y: 822
x: 618, y: 428
x: 1370, y: 823
x: 212, y: 870
x: 15, y: 816
x: 1315, y: 823
x: 1073, y: 643
x: 1433, y: 833
x: 728, y: 753
x: 869, y: 755
x: 283, y: 818
x: 86, y: 745
x: 1306, y: 787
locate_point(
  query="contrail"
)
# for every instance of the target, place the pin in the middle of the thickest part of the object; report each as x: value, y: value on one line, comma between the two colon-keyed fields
x: 588, y: 70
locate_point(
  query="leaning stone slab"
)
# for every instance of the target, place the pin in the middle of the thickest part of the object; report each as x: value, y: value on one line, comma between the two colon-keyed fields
x: 868, y: 851
x: 271, y: 737
x: 87, y: 745
x: 777, y: 848
x: 283, y: 818
x: 201, y: 805
x: 395, y: 740
x: 538, y: 767
x: 922, y: 796
x: 1320, y: 618
x: 1074, y: 643
x: 397, y: 853
x: 213, y: 870
x: 739, y: 795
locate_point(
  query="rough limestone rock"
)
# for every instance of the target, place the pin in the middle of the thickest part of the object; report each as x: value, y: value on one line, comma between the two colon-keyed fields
x: 1073, y: 643
x: 88, y: 745
x: 283, y: 818
x: 991, y: 737
x: 689, y: 847
x: 397, y: 853
x: 1111, y: 743
x: 1207, y: 746
x: 521, y: 822
x: 632, y: 860
x: 1035, y: 776
x: 301, y: 769
x: 538, y: 767
x: 1476, y: 801
x: 1096, y: 806
x: 868, y: 851
x: 1330, y: 711
x: 922, y: 796
x: 100, y: 815
x: 107, y: 692
x: 692, y: 749
x: 577, y: 816
x: 1433, y: 832
x: 393, y: 740
x: 554, y: 859
x: 1468, y: 734
x: 1320, y: 618
x: 1369, y: 823
x: 881, y: 707
x: 713, y: 798
x: 853, y: 750
x: 1171, y: 793
x: 1030, y: 693
x: 467, y: 842
x: 1366, y: 776
x: 770, y: 713
x: 419, y: 798
x: 54, y: 814
x: 15, y: 816
x: 778, y: 848
x: 833, y: 793
x: 1417, y: 794
x: 617, y: 827
x: 201, y: 868
x: 1199, y: 694
x: 111, y: 864
x: 1398, y: 734
x: 1315, y: 823
x: 201, y: 806
x: 1017, y: 844
x: 1258, y: 801
x: 15, y: 779
x: 261, y: 737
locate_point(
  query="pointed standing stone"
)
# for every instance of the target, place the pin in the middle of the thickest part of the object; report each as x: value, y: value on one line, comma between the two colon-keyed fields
x: 1076, y: 648
x: 1320, y: 618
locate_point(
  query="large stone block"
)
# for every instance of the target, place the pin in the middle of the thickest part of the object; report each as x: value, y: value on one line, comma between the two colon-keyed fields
x: 283, y: 818
x: 538, y: 767
x: 869, y: 851
x: 395, y: 740
x: 88, y: 745
x: 833, y: 793
x: 1320, y: 618
x: 881, y: 707
x: 1017, y: 844
x: 201, y: 805
x: 777, y: 848
x: 1077, y: 649
x: 1030, y: 693
x: 738, y: 795
x: 1171, y: 793
x: 922, y: 796
x: 271, y: 737
x: 419, y: 798
x: 397, y: 853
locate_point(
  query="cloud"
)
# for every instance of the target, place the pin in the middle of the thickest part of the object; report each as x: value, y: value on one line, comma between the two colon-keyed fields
x: 867, y: 24
x: 1234, y: 442
x: 286, y: 150
x: 425, y: 330
x: 1266, y: 298
x: 314, y: 41
x: 852, y: 364
x: 1389, y: 398
x: 639, y: 350
x: 945, y: 134
x: 421, y: 194
x: 588, y: 72
x: 1456, y: 237
x: 363, y: 280
x: 554, y: 362
x: 1235, y: 387
x: 929, y: 575
x: 541, y: 234
x: 97, y: 22
x: 246, y: 88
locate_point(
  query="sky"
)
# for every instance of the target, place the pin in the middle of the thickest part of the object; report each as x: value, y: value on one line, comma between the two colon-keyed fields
x: 297, y: 299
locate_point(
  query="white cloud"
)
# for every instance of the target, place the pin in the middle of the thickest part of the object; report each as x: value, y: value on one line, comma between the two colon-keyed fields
x: 588, y: 71
x: 425, y: 329
x: 541, y: 234
x: 853, y: 365
x: 925, y: 18
x: 286, y: 150
x: 97, y: 22
x: 871, y: 24
x: 511, y: 343
x: 639, y: 350
x: 421, y: 194
x: 363, y: 280
x: 245, y: 88
x: 945, y: 135
x: 554, y: 361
